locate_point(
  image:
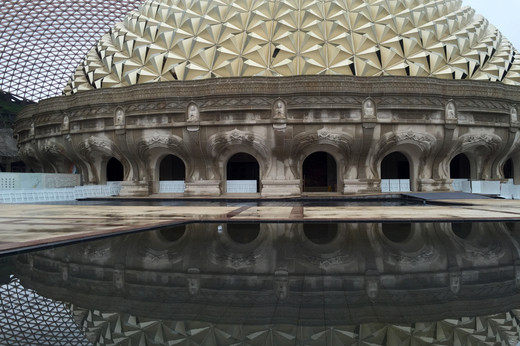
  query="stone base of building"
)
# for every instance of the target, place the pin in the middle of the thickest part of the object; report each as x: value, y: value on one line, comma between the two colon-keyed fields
x: 431, y: 185
x: 276, y: 188
x: 203, y: 188
x: 134, y: 189
x: 353, y: 186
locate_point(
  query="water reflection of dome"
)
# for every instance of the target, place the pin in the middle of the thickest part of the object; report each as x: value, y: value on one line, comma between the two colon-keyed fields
x: 398, y: 283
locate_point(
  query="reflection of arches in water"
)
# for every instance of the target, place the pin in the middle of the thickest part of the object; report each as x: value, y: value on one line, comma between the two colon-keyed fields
x: 243, y: 233
x: 320, y: 233
x: 462, y: 229
x: 242, y: 166
x: 397, y: 232
x: 172, y: 168
x: 172, y: 234
x: 509, y: 169
x: 460, y: 167
x: 319, y: 173
x: 115, y: 170
x: 395, y: 166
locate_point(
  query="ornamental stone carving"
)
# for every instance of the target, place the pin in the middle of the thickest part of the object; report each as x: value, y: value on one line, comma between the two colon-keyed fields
x: 279, y: 110
x: 193, y: 114
x: 369, y: 109
x: 450, y: 111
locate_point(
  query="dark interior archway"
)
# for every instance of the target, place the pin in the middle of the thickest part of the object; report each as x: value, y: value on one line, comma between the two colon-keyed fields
x: 320, y: 173
x: 460, y: 167
x: 395, y: 166
x: 509, y: 169
x: 243, y: 166
x: 115, y: 170
x: 172, y: 168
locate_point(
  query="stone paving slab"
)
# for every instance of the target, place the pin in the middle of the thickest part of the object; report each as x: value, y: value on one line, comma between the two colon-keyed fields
x: 23, y: 225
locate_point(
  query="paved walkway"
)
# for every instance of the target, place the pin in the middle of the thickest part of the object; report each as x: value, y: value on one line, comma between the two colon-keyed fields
x: 25, y: 226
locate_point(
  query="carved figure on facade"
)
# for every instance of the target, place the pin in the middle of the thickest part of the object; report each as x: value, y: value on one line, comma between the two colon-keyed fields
x: 119, y: 118
x: 31, y: 131
x: 279, y: 110
x: 193, y: 113
x: 513, y: 114
x: 65, y: 126
x: 369, y: 109
x: 451, y: 111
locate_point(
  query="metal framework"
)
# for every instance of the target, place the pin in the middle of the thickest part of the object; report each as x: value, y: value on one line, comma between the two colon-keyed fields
x: 42, y: 42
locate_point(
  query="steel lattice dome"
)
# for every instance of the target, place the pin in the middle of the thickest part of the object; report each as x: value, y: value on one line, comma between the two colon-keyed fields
x: 42, y: 42
x: 190, y: 39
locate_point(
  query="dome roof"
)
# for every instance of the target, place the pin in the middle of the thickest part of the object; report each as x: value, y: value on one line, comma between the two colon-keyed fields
x: 170, y: 40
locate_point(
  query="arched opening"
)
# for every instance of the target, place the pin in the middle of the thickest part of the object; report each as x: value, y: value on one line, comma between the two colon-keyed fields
x: 172, y: 174
x: 460, y: 168
x: 320, y: 173
x: 460, y: 172
x: 243, y: 233
x: 395, y: 173
x: 508, y: 169
x: 115, y: 170
x: 242, y: 174
x: 320, y: 233
x: 397, y: 232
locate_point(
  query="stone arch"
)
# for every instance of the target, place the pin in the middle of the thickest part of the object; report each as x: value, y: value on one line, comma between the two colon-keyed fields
x: 324, y: 177
x: 222, y: 146
x: 114, y: 170
x: 97, y: 152
x: 55, y: 156
x: 458, y: 169
x: 152, y: 150
x: 479, y: 148
x: 30, y: 157
x: 416, y: 147
x: 338, y: 145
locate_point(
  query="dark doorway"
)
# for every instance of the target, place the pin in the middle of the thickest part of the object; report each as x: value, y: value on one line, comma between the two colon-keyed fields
x: 320, y: 173
x: 508, y: 169
x: 115, y: 170
x: 243, y: 166
x: 460, y: 167
x: 172, y: 168
x: 395, y: 166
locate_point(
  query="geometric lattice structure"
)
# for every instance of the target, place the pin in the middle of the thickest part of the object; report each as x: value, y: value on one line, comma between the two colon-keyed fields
x: 42, y: 42
x: 170, y: 40
x: 29, y: 319
x: 115, y: 329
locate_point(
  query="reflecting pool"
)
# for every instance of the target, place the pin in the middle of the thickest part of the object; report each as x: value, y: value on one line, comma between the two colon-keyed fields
x: 271, y: 284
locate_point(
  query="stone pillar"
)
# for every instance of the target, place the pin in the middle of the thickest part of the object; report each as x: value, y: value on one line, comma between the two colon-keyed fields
x: 353, y: 186
x: 434, y: 185
x: 276, y: 188
x: 134, y: 189
x: 203, y: 188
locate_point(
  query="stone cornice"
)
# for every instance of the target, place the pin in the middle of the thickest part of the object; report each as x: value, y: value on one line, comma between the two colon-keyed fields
x: 280, y: 87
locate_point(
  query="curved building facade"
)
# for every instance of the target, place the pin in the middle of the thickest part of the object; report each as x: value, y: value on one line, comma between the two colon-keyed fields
x: 285, y: 98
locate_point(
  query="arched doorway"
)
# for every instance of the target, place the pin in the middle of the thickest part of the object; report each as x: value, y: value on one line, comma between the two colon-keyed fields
x: 509, y: 169
x: 460, y: 168
x: 395, y: 173
x: 115, y: 170
x: 172, y: 174
x: 320, y: 173
x: 242, y: 174
x: 460, y: 173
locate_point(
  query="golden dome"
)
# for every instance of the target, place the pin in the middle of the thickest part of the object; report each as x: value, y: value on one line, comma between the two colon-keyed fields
x: 197, y: 39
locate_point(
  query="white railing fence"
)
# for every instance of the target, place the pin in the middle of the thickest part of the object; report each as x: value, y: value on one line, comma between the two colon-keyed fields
x: 172, y: 186
x: 241, y: 186
x: 395, y: 185
x: 59, y: 194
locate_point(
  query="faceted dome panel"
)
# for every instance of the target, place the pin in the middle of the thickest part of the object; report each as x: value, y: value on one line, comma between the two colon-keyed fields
x: 196, y: 39
x: 42, y: 42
